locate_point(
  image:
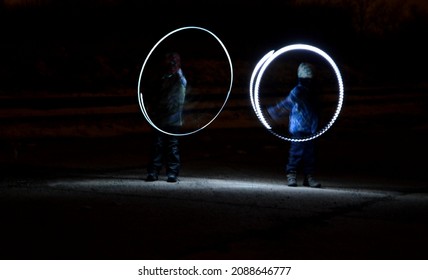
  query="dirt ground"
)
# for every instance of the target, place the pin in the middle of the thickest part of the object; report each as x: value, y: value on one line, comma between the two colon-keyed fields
x: 87, y: 199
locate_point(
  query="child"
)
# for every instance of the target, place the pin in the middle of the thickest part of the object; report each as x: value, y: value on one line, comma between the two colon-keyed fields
x: 167, y: 103
x: 301, y: 106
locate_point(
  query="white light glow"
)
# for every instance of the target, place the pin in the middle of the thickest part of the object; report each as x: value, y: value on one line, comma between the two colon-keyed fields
x: 255, y: 98
x: 140, y: 94
x: 260, y: 69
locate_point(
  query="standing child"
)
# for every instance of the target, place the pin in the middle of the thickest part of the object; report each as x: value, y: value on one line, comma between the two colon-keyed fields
x: 301, y: 106
x: 167, y: 103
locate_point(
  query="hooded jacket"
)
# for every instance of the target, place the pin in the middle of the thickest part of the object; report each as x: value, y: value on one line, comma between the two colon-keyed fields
x: 301, y: 106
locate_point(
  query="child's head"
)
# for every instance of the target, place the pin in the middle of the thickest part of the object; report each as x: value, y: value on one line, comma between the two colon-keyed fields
x: 305, y: 71
x: 173, y: 62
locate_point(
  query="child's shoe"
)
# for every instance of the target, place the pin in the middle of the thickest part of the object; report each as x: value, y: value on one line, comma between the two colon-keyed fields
x: 151, y: 177
x: 292, y: 179
x: 309, y: 181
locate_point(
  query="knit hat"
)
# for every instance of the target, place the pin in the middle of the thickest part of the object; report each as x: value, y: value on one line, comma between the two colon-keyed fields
x: 305, y: 70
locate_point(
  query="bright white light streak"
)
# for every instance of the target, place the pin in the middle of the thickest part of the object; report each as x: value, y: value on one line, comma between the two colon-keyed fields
x: 140, y: 94
x: 255, y: 99
x: 261, y: 68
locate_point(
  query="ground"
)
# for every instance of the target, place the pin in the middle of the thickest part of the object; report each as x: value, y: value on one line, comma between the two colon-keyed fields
x: 87, y: 199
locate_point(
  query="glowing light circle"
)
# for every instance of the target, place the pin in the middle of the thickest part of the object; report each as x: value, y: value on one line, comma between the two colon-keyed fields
x: 261, y: 67
x: 140, y: 94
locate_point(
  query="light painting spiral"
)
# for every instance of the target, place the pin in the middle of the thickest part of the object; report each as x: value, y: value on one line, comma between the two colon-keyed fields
x: 209, y: 110
x: 260, y: 70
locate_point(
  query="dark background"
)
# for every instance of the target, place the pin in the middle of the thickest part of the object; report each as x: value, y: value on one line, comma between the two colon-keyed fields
x: 71, y: 68
x: 88, y: 45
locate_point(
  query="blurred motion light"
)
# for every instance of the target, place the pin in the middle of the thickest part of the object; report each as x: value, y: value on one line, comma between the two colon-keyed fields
x: 140, y: 94
x: 261, y: 67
